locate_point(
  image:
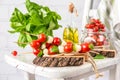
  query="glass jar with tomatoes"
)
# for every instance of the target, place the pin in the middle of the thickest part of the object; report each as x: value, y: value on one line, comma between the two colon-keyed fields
x: 95, y: 32
x: 99, y: 39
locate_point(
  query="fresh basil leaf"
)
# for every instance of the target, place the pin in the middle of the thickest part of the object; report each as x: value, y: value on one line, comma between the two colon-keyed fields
x: 22, y: 40
x: 40, y: 30
x: 99, y: 56
x: 28, y: 27
x: 40, y: 54
x: 32, y: 5
x: 29, y: 39
x: 17, y: 26
x: 11, y: 31
x: 52, y: 25
x: 17, y: 16
x: 46, y: 20
x: 35, y: 18
x: 49, y: 32
x: 54, y: 49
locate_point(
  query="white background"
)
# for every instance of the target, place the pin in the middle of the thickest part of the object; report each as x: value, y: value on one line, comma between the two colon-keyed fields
x: 7, y: 40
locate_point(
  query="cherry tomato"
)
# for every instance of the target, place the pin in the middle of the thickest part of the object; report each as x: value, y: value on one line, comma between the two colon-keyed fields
x: 92, y: 20
x: 95, y: 21
x: 53, y: 50
x: 102, y: 26
x: 95, y: 29
x: 89, y: 26
x: 42, y: 38
x: 69, y: 43
x: 99, y: 43
x: 56, y: 41
x: 48, y: 45
x: 68, y: 47
x: 35, y: 44
x: 85, y: 47
x: 36, y: 51
x: 14, y: 53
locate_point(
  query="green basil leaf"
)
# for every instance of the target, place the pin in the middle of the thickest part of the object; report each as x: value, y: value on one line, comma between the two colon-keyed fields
x: 99, y: 56
x: 52, y: 25
x: 35, y: 18
x: 29, y: 39
x: 54, y: 49
x: 17, y: 16
x: 28, y: 27
x: 49, y: 32
x: 40, y: 54
x: 32, y: 5
x: 11, y: 31
x: 39, y: 30
x: 22, y: 40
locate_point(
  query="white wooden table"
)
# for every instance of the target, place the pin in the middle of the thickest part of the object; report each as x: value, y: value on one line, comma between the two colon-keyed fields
x: 24, y: 62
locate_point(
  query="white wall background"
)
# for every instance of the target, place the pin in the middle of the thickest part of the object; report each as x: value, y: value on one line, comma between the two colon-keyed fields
x: 7, y: 40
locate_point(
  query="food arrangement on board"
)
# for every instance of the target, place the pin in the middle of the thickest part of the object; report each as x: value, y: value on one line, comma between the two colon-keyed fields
x: 36, y: 27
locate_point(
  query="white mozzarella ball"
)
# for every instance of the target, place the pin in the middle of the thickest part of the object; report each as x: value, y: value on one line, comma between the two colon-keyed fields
x: 89, y: 39
x: 61, y: 49
x: 77, y: 47
x: 43, y: 46
x: 45, y: 51
x: 50, y: 39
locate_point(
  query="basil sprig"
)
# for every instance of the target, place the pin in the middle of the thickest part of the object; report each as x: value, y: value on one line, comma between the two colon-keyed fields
x: 38, y: 19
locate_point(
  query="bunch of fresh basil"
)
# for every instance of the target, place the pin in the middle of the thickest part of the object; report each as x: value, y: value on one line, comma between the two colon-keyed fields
x: 39, y: 19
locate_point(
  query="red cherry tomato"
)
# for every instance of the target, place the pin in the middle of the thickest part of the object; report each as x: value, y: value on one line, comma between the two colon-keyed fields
x: 99, y: 43
x: 68, y: 47
x: 14, y: 53
x: 95, y: 29
x: 95, y: 21
x: 42, y: 38
x: 85, y: 47
x: 102, y: 26
x: 53, y: 50
x: 89, y: 26
x: 48, y: 45
x: 36, y: 51
x: 92, y: 20
x: 56, y: 41
x: 35, y: 44
x: 69, y: 43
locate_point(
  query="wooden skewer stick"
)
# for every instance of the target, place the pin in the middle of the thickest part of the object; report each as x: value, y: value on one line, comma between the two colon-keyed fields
x: 94, y: 52
x: 26, y: 53
x: 29, y: 34
x: 21, y: 43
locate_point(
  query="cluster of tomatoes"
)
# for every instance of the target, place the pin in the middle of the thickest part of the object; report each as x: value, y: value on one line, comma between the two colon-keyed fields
x: 48, y: 45
x: 95, y: 32
x: 95, y: 25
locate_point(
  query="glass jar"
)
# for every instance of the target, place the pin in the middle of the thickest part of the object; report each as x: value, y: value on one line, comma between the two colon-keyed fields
x: 99, y: 39
x: 71, y: 34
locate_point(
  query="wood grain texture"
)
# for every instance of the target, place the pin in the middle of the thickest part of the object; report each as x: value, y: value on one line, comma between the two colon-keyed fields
x: 60, y: 61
